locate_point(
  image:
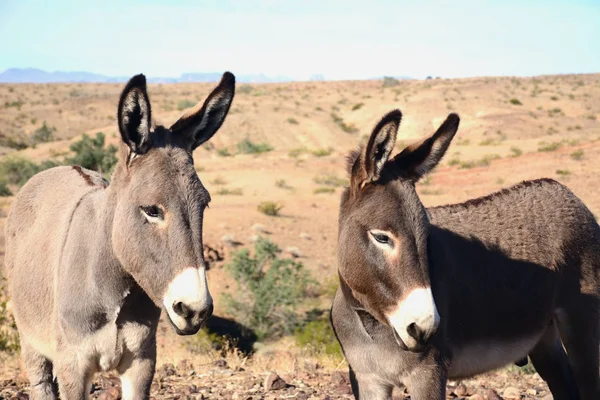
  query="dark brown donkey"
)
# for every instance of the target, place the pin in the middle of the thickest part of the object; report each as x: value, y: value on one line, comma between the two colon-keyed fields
x: 90, y: 265
x: 454, y: 291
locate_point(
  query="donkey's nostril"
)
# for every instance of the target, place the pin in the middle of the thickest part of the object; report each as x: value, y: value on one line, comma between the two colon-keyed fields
x: 414, y: 331
x: 182, y: 310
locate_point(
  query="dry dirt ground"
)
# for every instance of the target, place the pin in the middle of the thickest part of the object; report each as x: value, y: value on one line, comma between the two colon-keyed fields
x: 512, y: 129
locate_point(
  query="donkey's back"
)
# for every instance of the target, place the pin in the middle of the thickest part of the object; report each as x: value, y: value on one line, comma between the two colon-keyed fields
x: 540, y: 221
x: 37, y: 226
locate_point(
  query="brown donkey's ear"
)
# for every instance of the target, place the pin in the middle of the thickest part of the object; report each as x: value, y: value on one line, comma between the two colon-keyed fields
x: 418, y: 159
x: 369, y: 165
x: 202, y: 121
x: 134, y: 115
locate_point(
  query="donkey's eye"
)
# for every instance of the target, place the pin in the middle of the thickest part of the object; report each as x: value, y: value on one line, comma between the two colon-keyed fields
x: 381, y: 237
x: 153, y: 212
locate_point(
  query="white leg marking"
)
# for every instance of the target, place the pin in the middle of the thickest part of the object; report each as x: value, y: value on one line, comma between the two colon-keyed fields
x: 127, y: 389
x: 418, y: 308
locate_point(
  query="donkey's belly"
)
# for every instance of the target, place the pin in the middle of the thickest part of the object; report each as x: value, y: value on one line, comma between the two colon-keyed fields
x: 484, y: 356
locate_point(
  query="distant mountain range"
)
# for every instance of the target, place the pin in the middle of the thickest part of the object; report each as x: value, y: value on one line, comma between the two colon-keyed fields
x: 34, y: 75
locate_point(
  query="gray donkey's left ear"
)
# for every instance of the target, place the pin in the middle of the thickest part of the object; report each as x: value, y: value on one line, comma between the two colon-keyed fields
x: 202, y: 121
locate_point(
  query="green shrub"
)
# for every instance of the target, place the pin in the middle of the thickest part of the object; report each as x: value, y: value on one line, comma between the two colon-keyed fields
x: 322, y: 189
x: 269, y: 290
x: 357, y: 106
x: 321, y: 152
x: 292, y: 121
x: 184, y: 104
x: 482, y: 162
x: 348, y: 128
x: 577, y: 155
x: 389, y: 81
x: 329, y: 179
x: 515, y: 102
x: 546, y: 147
x: 4, y: 190
x: 317, y: 337
x: 270, y: 208
x: 9, y: 337
x: 219, y: 180
x: 563, y: 172
x: 230, y: 192
x: 245, y: 89
x: 224, y: 152
x: 281, y: 183
x: 43, y: 134
x: 17, y: 170
x: 515, y: 151
x: 90, y: 153
x: 295, y: 153
x: 246, y: 146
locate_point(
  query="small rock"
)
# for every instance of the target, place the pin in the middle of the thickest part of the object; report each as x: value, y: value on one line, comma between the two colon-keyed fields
x: 531, y: 392
x: 112, y: 393
x: 477, y: 396
x: 20, y: 396
x: 511, y: 393
x: 258, y: 228
x: 490, y: 394
x: 192, y: 389
x: 274, y: 382
x: 338, y: 377
x: 220, y: 363
x: 185, y: 365
x: 304, y: 235
x: 166, y: 370
x: 229, y: 239
x: 253, y: 238
x: 343, y: 389
x: 461, y: 390
x: 293, y: 251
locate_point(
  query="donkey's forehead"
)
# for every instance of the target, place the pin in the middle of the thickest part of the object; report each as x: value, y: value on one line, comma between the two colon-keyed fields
x: 171, y: 169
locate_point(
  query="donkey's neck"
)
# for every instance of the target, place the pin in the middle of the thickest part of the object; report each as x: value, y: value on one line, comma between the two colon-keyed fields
x: 107, y: 274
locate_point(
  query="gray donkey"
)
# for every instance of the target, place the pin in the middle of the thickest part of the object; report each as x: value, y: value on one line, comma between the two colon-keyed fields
x: 454, y: 291
x: 90, y: 265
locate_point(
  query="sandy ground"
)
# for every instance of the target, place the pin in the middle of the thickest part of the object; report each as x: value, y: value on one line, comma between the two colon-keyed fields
x: 554, y: 132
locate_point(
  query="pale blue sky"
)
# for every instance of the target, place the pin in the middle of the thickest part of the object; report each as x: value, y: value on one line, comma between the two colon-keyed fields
x: 345, y: 39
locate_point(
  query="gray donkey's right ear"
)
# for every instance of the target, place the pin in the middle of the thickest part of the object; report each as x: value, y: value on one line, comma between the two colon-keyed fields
x: 201, y: 122
x: 135, y: 116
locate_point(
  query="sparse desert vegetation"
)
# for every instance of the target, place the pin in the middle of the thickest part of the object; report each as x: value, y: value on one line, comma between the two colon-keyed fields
x: 286, y: 144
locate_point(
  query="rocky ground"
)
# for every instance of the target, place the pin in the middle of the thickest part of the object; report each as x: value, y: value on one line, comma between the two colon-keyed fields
x: 218, y: 380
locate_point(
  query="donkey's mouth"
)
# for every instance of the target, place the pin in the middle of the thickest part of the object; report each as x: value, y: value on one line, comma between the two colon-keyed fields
x: 188, y: 330
x: 418, y: 348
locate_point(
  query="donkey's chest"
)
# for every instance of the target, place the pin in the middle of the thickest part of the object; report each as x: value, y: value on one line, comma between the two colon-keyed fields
x: 483, y: 356
x: 113, y: 343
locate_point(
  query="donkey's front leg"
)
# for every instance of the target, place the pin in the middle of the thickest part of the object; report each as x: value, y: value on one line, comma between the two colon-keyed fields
x: 74, y: 377
x: 428, y: 383
x: 369, y: 386
x: 137, y: 371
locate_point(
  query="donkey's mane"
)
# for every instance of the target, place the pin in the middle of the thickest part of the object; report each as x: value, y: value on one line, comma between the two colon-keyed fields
x: 494, y: 195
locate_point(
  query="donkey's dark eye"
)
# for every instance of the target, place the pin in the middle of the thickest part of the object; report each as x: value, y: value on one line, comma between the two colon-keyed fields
x: 152, y: 211
x: 381, y: 238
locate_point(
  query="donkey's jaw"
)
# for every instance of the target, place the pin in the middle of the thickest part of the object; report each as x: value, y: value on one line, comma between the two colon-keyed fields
x: 187, y: 301
x: 415, y: 319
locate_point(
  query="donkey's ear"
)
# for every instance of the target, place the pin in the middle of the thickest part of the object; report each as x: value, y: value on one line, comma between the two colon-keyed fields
x: 204, y: 120
x: 135, y: 116
x: 418, y: 159
x: 374, y: 156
